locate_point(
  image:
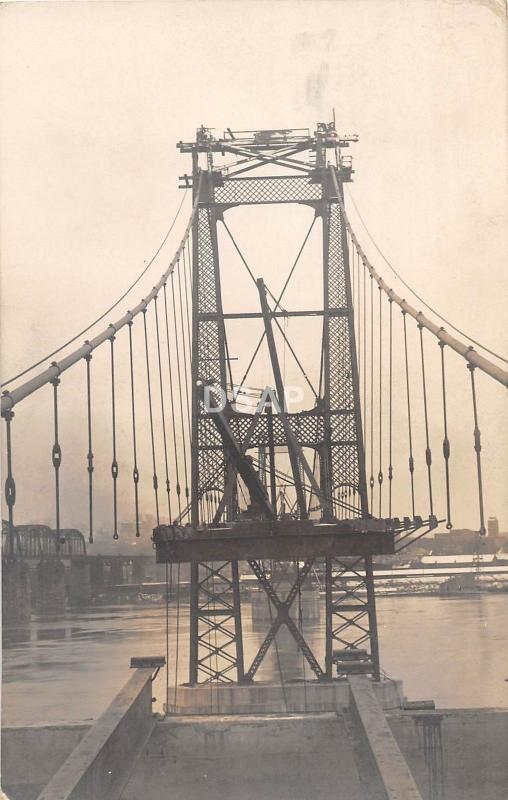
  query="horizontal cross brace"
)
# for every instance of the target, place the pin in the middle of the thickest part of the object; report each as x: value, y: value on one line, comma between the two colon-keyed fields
x: 216, y: 612
x: 332, y: 312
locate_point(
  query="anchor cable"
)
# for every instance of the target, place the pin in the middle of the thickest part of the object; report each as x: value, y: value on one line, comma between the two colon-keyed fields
x: 428, y: 454
x: 114, y: 462
x: 89, y: 457
x: 135, y: 471
x: 446, y: 441
x: 152, y: 439
x: 477, y: 447
x: 410, y: 434
x: 163, y: 411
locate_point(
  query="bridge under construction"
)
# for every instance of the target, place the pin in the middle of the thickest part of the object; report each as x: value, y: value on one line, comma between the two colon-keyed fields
x: 247, y: 479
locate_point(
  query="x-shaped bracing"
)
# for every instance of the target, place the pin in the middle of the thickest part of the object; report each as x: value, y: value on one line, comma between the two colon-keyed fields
x: 283, y: 618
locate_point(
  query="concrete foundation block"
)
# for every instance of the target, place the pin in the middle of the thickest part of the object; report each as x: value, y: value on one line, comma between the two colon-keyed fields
x: 50, y: 591
x: 270, y: 698
x: 79, y: 582
x: 15, y: 592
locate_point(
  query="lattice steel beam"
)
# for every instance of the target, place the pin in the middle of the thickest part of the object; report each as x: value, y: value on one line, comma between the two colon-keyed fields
x: 211, y: 661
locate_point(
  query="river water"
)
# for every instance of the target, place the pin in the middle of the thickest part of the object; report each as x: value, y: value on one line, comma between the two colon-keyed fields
x: 453, y: 650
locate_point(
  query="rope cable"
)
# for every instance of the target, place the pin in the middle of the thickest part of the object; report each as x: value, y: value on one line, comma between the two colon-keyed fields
x: 428, y: 454
x: 390, y: 411
x: 114, y: 462
x: 477, y: 447
x: 177, y: 639
x: 300, y: 625
x: 365, y: 410
x: 281, y: 295
x: 167, y: 579
x: 178, y: 493
x: 286, y: 341
x: 89, y: 457
x: 446, y: 442
x: 135, y: 471
x: 10, y: 486
x: 163, y: 412
x: 277, y: 300
x: 180, y: 393
x: 155, y: 481
x: 371, y: 414
x: 186, y: 293
x: 410, y: 434
x: 185, y: 351
x: 380, y: 473
x: 171, y: 394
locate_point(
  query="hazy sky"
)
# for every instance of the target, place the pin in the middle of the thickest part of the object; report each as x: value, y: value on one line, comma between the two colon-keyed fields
x: 94, y: 97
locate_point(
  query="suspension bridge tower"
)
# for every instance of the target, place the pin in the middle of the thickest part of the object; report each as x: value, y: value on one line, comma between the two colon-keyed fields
x: 288, y: 167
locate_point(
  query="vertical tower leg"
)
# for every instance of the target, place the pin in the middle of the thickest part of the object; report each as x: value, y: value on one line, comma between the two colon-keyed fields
x: 216, y: 647
x: 350, y: 602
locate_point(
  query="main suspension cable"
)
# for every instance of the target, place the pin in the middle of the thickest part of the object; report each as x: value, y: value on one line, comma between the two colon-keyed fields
x: 108, y: 310
x: 418, y: 297
x: 467, y: 352
x: 56, y: 456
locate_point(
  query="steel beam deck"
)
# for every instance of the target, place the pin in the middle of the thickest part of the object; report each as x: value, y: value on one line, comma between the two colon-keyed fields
x: 262, y: 540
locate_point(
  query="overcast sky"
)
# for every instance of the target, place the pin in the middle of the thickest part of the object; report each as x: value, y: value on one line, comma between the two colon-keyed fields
x: 94, y: 97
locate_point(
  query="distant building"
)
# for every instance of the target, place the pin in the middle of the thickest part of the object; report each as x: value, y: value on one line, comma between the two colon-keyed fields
x: 492, y: 526
x: 467, y: 542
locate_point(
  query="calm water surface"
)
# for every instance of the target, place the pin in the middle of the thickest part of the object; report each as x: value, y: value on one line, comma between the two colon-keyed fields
x: 68, y: 668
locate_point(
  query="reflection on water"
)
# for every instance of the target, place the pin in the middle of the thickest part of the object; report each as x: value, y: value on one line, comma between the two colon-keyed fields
x: 68, y: 669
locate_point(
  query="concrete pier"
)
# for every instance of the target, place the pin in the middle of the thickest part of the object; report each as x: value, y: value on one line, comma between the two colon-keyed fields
x: 270, y: 698
x: 50, y: 586
x: 15, y: 592
x: 79, y: 582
